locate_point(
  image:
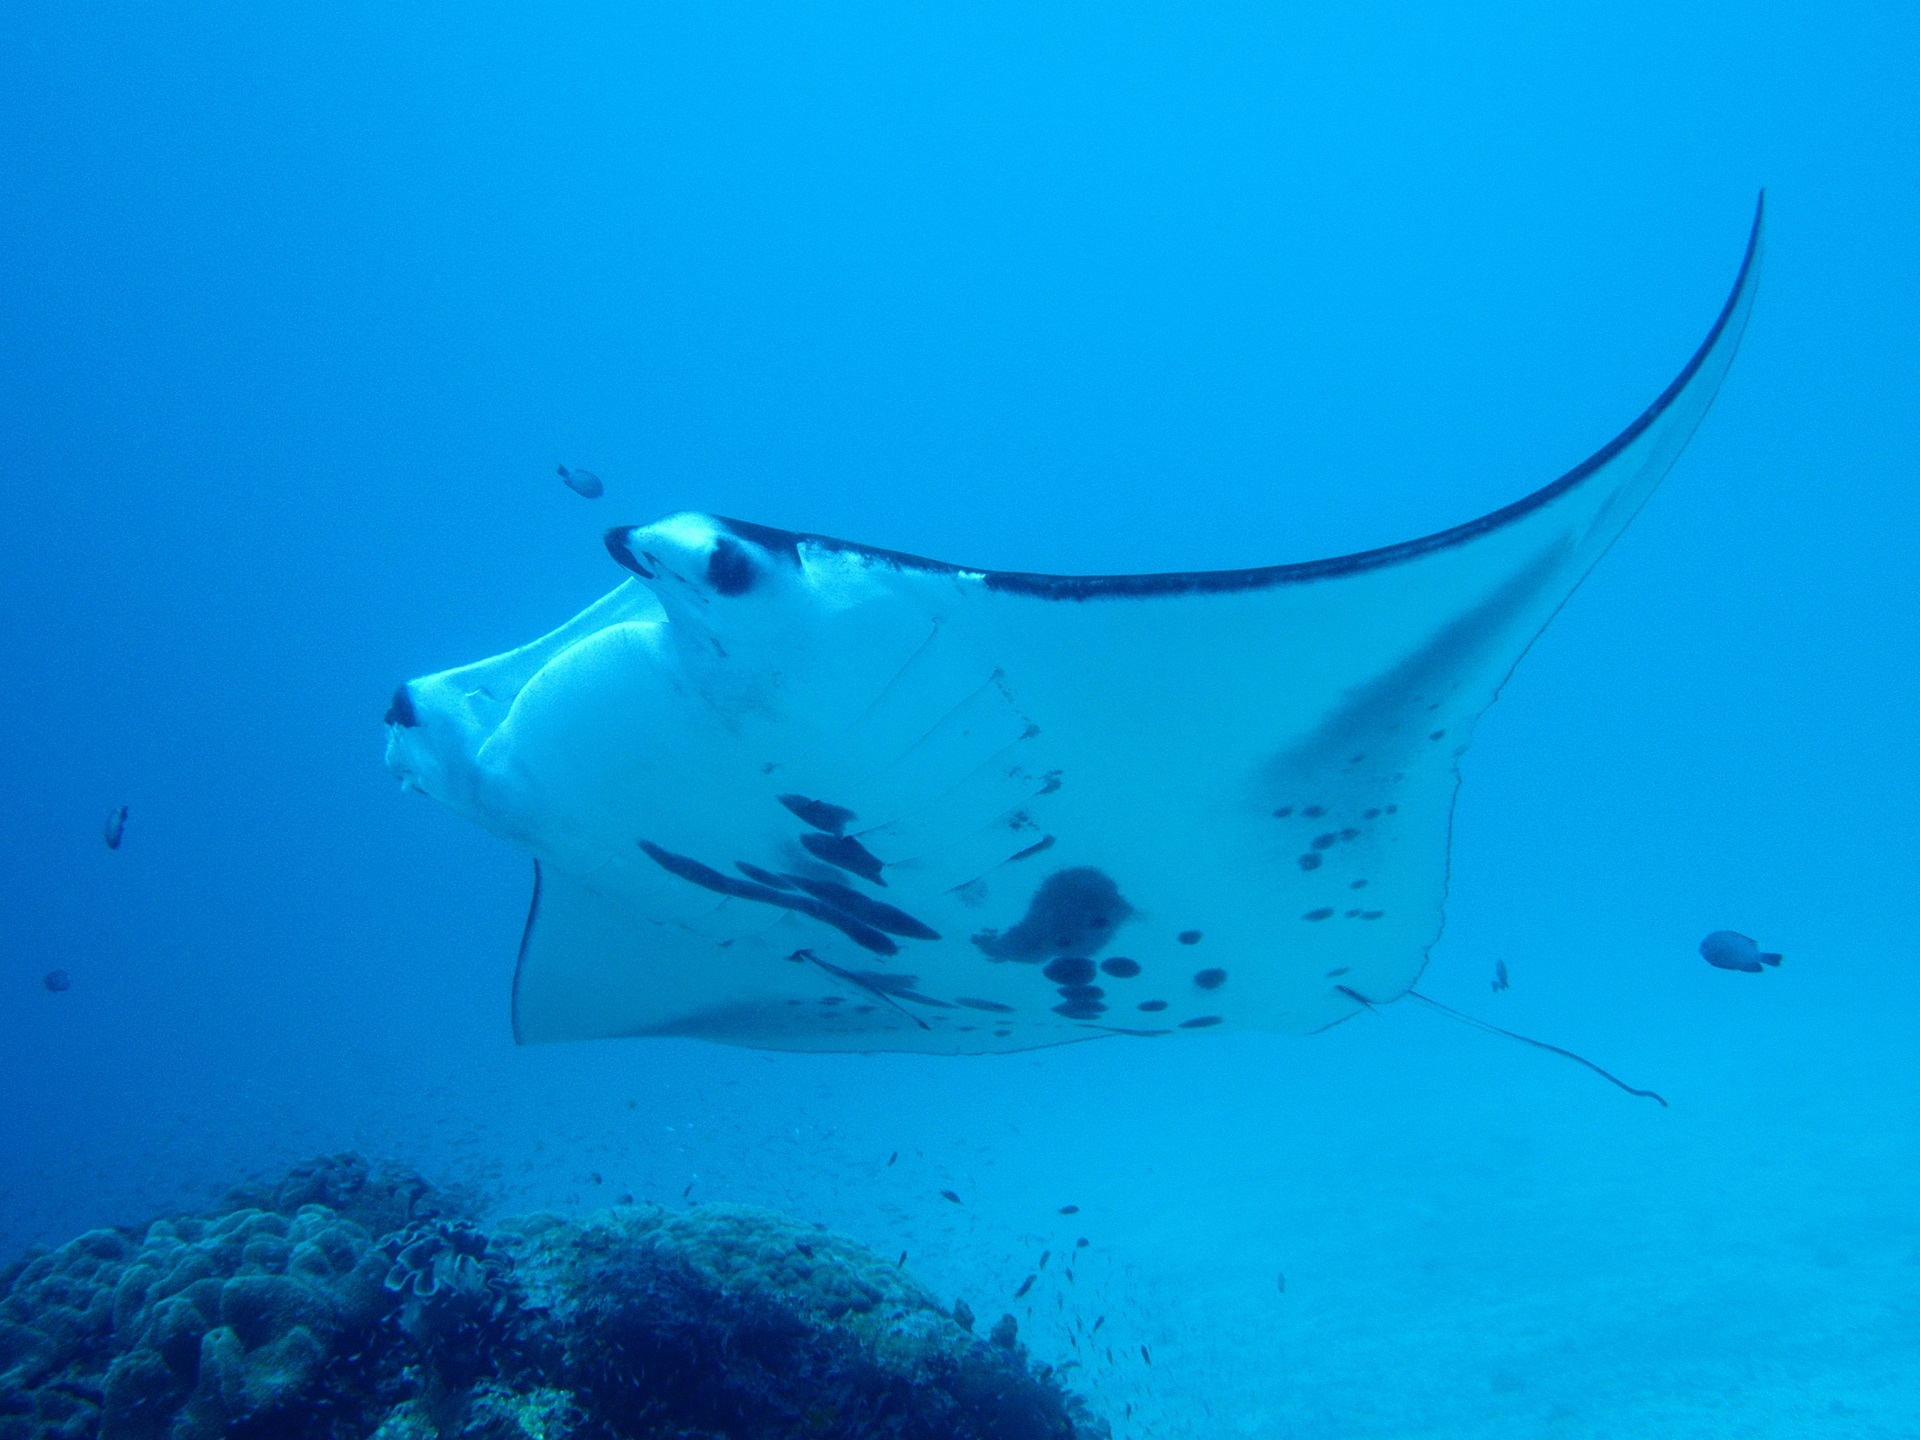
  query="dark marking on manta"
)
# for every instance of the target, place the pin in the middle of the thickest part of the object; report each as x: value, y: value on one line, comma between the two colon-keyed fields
x: 1310, y: 861
x: 974, y: 1003
x: 619, y: 545
x: 1210, y: 979
x: 1069, y: 970
x: 1200, y: 1022
x: 1152, y: 1005
x: 1074, y: 912
x: 1045, y: 843
x: 882, y: 987
x: 401, y: 711
x: 729, y: 570
x: 763, y: 877
x: 1189, y: 937
x: 821, y: 815
x: 1120, y: 967
x: 845, y: 853
x: 876, y: 913
x: 705, y: 876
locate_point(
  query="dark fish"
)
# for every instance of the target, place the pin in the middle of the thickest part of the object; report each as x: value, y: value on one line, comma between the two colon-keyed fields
x: 900, y: 1264
x: 1283, y: 1284
x: 57, y: 980
x: 1730, y: 950
x: 1098, y: 1322
x: 1045, y: 1255
x: 1025, y: 1285
x: 582, y: 482
x: 1146, y: 1354
x: 116, y: 827
x: 893, y: 1157
x: 1499, y: 975
x: 1069, y: 1209
x: 949, y: 1195
x: 688, y: 1191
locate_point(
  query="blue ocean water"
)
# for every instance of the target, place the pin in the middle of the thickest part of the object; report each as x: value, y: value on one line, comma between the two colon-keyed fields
x: 300, y: 310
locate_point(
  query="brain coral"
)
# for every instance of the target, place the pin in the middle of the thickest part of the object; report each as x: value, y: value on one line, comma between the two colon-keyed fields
x: 285, y: 1315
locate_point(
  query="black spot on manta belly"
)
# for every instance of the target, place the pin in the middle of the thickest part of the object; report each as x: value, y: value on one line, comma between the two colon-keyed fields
x: 1310, y: 861
x: 1323, y: 913
x: 1080, y: 1009
x: 1044, y: 843
x: 1324, y: 842
x: 821, y: 815
x: 1200, y: 1022
x: 1314, y: 812
x: 1069, y: 970
x: 1121, y: 967
x: 844, y: 853
x: 1073, y: 912
x: 1189, y: 937
x: 730, y: 570
x: 1082, y: 992
x: 1283, y: 812
x: 1210, y: 979
x: 1152, y: 1005
x: 974, y: 1003
x: 876, y: 913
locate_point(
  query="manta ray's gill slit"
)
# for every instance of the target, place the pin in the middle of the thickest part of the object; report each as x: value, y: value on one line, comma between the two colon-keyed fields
x: 876, y: 913
x: 707, y: 878
x: 820, y: 814
x: 843, y: 852
x: 764, y: 877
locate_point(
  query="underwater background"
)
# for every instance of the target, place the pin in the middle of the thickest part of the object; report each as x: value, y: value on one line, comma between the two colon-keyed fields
x: 300, y: 308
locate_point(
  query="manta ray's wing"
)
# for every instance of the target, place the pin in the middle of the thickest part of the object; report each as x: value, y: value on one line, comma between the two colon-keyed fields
x: 788, y: 791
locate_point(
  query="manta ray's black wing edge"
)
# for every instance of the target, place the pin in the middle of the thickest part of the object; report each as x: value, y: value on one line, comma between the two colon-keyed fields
x: 1726, y: 330
x: 520, y: 958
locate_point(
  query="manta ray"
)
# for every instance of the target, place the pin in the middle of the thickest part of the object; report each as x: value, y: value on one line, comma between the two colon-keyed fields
x: 792, y: 792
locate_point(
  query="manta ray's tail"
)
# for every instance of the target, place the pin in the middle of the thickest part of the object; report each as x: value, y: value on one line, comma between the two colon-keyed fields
x: 1493, y: 1029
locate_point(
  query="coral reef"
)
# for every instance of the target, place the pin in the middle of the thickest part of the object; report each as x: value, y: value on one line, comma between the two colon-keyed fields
x: 351, y: 1299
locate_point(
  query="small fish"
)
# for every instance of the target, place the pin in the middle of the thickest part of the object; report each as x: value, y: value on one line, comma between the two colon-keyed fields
x: 1069, y: 1209
x: 57, y: 980
x: 116, y: 827
x: 1045, y: 1255
x: 593, y: 1178
x: 901, y: 1263
x: 1025, y: 1285
x: 1283, y: 1282
x: 1730, y: 950
x: 949, y: 1195
x: 1099, y: 1320
x: 893, y: 1157
x: 1146, y: 1354
x: 1070, y: 1279
x: 688, y: 1191
x: 582, y: 482
x: 1499, y: 975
